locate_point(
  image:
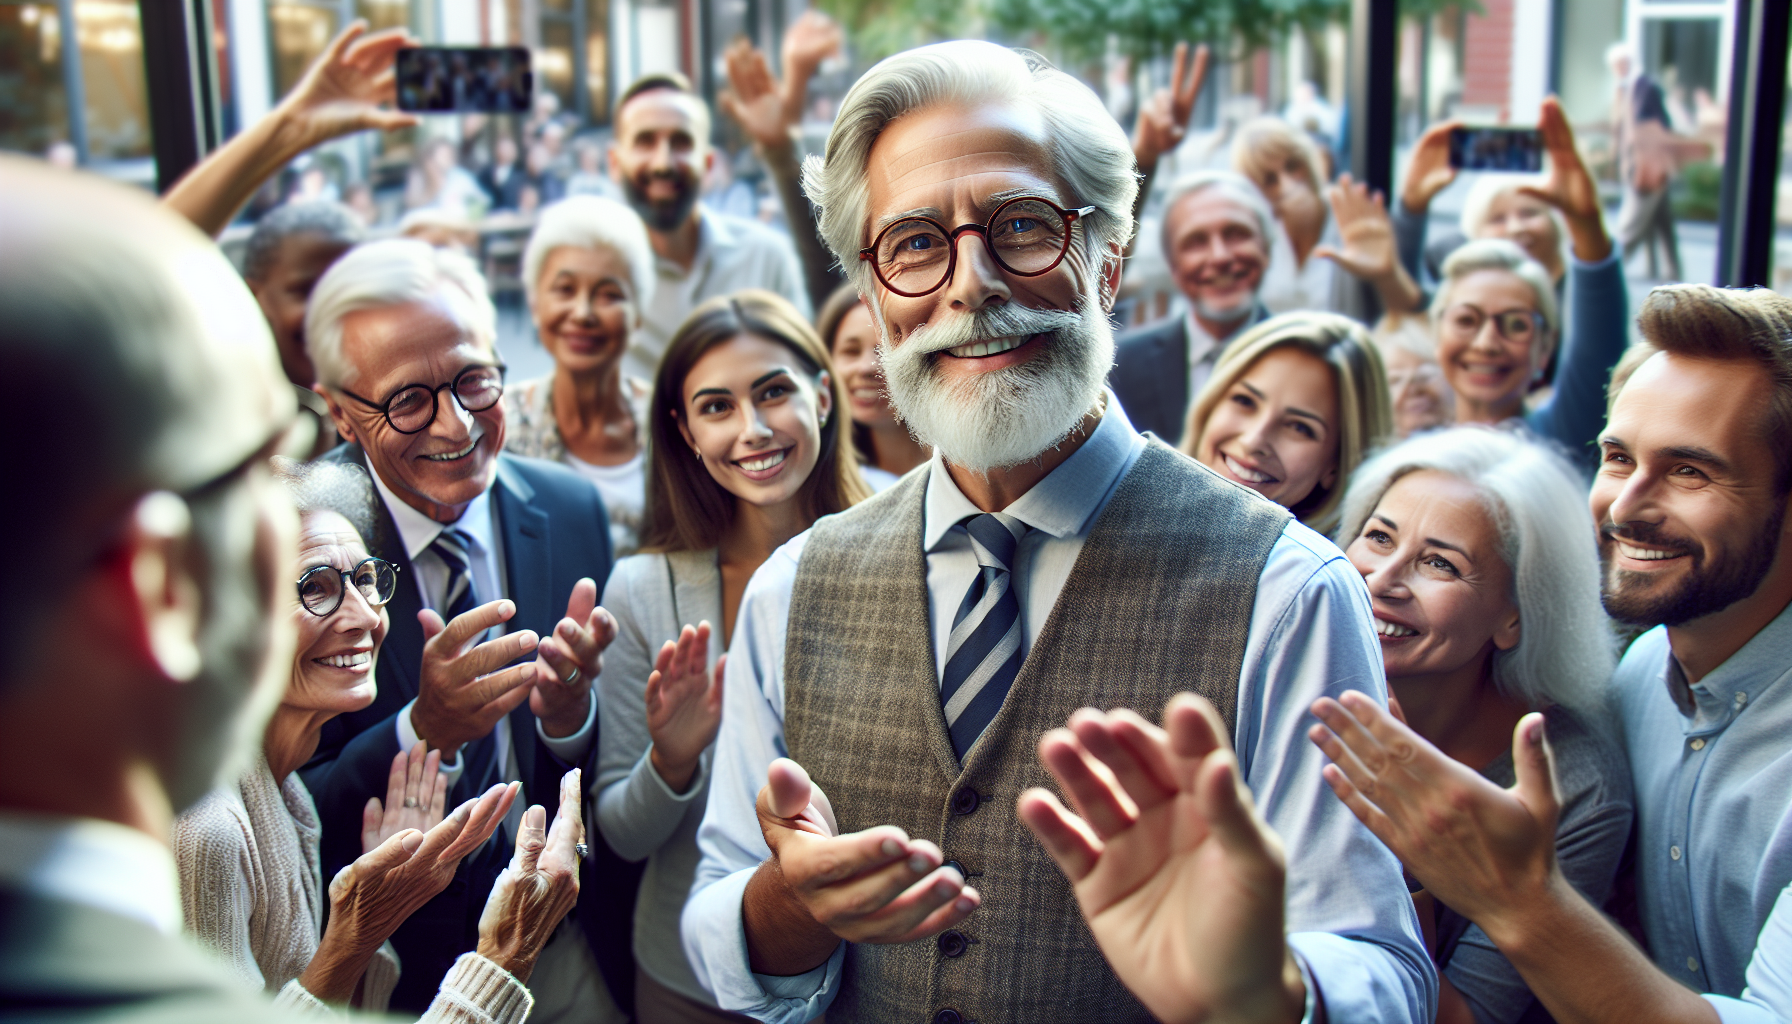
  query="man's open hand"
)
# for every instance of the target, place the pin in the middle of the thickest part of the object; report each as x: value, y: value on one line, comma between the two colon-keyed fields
x: 461, y: 694
x: 1179, y: 879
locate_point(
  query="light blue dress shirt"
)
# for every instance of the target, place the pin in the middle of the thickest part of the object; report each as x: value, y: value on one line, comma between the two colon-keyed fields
x: 1349, y: 918
x: 1713, y: 779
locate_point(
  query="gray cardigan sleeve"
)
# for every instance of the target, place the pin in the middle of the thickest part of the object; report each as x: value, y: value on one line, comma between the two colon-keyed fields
x: 1409, y: 237
x: 1598, y: 330
x: 636, y: 811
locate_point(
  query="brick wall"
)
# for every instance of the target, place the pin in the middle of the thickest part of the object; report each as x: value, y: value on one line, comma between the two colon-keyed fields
x: 1487, y: 56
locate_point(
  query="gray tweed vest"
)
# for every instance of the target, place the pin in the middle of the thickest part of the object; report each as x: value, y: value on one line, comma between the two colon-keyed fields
x: 1159, y: 601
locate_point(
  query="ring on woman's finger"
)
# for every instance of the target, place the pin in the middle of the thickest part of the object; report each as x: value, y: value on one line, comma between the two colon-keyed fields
x: 572, y: 677
x: 410, y: 801
x: 583, y: 849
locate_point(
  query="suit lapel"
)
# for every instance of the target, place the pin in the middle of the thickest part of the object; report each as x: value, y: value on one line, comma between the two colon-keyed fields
x: 528, y: 577
x: 1176, y: 384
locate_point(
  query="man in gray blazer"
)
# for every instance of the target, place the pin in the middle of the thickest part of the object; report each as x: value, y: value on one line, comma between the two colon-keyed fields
x: 1216, y: 235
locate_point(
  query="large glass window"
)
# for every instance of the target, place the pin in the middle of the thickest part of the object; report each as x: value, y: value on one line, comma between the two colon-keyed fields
x: 33, y: 103
x: 297, y: 33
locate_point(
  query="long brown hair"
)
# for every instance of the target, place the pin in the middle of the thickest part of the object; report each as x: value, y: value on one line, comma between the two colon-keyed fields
x: 827, y: 324
x: 687, y: 510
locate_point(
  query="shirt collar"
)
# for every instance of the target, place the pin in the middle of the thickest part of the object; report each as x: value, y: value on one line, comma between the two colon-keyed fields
x: 97, y: 863
x: 711, y: 234
x: 1064, y: 504
x: 418, y: 531
x: 1744, y: 679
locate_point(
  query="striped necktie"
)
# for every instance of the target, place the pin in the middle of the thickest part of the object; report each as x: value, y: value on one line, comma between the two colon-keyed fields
x: 482, y: 769
x: 983, y: 654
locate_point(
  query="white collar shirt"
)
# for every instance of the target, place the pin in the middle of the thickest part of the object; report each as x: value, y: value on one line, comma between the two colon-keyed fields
x: 1203, y: 351
x: 100, y: 864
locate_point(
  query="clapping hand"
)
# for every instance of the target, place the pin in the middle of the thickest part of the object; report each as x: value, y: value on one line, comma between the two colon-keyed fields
x: 1163, y: 119
x: 1569, y: 186
x: 348, y: 87
x: 1486, y: 852
x: 1370, y: 251
x: 371, y: 897
x: 1179, y: 879
x: 461, y: 694
x: 569, y: 659
x: 684, y: 705
x: 416, y: 797
x: 541, y: 884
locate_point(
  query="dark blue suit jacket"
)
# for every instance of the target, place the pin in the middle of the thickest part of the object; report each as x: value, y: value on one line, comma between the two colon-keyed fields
x: 554, y: 531
x: 1150, y: 374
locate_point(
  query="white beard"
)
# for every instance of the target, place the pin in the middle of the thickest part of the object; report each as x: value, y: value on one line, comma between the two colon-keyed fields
x: 1000, y: 418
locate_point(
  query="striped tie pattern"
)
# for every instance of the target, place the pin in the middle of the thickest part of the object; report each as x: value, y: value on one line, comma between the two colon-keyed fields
x: 983, y: 654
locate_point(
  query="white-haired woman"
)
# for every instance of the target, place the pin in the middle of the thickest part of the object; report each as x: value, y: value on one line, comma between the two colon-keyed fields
x: 589, y: 272
x: 1483, y: 575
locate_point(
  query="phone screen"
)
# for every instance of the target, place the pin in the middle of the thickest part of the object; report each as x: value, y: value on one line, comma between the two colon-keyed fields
x: 1497, y: 149
x: 464, y: 80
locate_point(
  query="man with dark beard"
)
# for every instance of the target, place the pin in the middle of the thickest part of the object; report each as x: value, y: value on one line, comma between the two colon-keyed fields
x: 661, y: 156
x: 897, y: 665
x: 1690, y: 502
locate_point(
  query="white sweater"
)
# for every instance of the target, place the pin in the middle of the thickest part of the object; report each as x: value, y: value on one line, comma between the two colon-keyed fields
x: 252, y: 891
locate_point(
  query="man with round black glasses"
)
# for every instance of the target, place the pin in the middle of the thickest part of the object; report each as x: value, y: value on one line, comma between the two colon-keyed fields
x: 496, y: 638
x: 907, y: 656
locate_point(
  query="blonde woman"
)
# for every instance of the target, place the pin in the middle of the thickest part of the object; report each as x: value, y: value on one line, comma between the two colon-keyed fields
x: 1290, y: 410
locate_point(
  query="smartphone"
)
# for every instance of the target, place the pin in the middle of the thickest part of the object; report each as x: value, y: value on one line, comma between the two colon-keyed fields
x: 464, y: 80
x: 1496, y: 149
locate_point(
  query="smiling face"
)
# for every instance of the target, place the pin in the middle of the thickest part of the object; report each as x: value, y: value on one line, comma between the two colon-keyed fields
x: 661, y: 155
x: 333, y: 668
x: 1217, y: 253
x: 1689, y: 518
x: 992, y: 368
x: 584, y: 307
x: 1523, y: 219
x: 753, y: 415
x: 283, y: 290
x: 443, y: 467
x: 1440, y: 588
x: 1276, y: 428
x: 1486, y: 369
x: 855, y: 359
x: 1421, y: 398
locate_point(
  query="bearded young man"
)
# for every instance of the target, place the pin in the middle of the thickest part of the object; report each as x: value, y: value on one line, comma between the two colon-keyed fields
x: 661, y: 157
x: 1690, y: 502
x: 908, y: 654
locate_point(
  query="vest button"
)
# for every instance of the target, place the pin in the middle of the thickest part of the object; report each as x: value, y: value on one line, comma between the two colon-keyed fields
x: 958, y: 867
x: 948, y: 1016
x: 952, y: 944
x: 965, y: 802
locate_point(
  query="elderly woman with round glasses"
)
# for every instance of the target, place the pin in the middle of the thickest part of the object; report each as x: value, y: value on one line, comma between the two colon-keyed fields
x: 248, y: 854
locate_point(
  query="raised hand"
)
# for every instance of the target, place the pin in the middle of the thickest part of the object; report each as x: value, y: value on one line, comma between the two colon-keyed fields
x: 569, y: 660
x: 416, y: 797
x: 348, y: 87
x: 1370, y: 251
x: 754, y: 98
x: 371, y: 897
x: 1429, y: 172
x: 811, y: 39
x: 538, y: 888
x: 1484, y: 851
x: 1179, y: 879
x: 1569, y: 186
x: 820, y: 887
x: 461, y: 694
x: 684, y: 705
x: 1163, y: 119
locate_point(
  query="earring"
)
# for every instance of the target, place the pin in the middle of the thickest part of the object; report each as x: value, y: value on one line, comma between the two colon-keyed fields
x: 698, y: 454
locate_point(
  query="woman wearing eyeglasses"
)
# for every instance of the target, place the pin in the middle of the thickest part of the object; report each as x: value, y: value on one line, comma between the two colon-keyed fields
x: 248, y: 854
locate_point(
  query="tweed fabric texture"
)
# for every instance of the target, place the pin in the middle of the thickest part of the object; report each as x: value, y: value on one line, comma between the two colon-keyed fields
x: 1159, y: 602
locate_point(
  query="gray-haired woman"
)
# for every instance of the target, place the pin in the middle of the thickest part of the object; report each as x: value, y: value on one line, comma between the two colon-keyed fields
x: 589, y: 272
x: 1483, y: 574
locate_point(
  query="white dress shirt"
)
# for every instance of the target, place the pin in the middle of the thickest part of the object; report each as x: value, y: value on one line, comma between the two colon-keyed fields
x: 101, y: 864
x: 485, y: 564
x: 732, y: 253
x: 1349, y: 918
x: 1203, y: 351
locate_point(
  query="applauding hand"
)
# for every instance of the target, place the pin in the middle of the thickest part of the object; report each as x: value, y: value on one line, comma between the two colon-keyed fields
x: 461, y: 694
x: 569, y: 659
x: 538, y: 888
x: 684, y: 705
x: 416, y: 796
x: 1179, y: 879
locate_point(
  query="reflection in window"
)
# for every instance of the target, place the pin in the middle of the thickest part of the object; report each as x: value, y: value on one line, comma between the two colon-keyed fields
x: 553, y: 62
x: 597, y: 60
x: 111, y: 44
x: 299, y: 33
x: 33, y: 106
x: 383, y: 14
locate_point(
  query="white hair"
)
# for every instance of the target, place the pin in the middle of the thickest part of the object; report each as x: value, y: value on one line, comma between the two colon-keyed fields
x: 1089, y: 151
x: 1538, y: 504
x: 392, y: 273
x: 593, y: 222
x: 1237, y: 187
x: 1490, y: 187
x: 1500, y: 254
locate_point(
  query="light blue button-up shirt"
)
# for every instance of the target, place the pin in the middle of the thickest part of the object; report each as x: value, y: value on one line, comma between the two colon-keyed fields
x: 1712, y: 764
x: 1348, y: 914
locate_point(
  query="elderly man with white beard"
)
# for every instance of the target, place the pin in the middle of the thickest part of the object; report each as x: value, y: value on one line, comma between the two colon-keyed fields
x: 894, y: 669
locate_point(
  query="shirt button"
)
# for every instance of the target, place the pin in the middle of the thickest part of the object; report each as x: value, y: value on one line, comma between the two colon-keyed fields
x: 948, y: 1016
x: 952, y: 944
x: 964, y: 802
x: 1674, y: 852
x: 1691, y: 965
x: 1698, y: 744
x: 1741, y: 698
x: 958, y: 867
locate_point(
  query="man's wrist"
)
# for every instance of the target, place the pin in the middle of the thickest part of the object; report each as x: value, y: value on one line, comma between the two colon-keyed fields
x: 566, y: 721
x: 1518, y: 922
x: 783, y: 938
